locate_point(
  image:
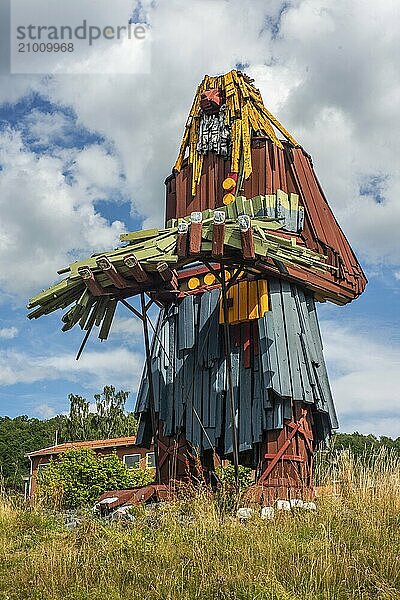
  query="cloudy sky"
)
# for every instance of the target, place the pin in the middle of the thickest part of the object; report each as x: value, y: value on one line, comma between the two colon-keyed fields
x: 83, y: 158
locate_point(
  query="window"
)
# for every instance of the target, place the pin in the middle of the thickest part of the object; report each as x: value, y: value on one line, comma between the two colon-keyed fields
x: 150, y: 460
x: 132, y: 461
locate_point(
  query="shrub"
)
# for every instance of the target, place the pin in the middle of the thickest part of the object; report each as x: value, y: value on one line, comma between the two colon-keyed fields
x: 79, y: 477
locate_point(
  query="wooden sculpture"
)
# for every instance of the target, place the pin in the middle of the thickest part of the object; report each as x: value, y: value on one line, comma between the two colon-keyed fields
x: 235, y: 368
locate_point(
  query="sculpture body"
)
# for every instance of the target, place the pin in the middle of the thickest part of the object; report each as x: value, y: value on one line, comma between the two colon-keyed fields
x: 250, y: 245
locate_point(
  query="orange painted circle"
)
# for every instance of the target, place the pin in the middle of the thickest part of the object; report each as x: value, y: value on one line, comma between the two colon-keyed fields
x: 193, y: 283
x: 209, y: 279
x: 228, y: 199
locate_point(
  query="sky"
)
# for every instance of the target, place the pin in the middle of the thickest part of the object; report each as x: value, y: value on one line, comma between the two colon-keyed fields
x: 84, y: 154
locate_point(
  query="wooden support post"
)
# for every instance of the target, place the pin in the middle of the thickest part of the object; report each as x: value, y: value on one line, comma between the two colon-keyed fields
x: 116, y: 278
x: 246, y: 234
x: 136, y: 269
x: 227, y: 348
x: 153, y: 415
x: 217, y: 250
x: 168, y: 275
x: 196, y: 226
x: 89, y: 280
x: 182, y: 239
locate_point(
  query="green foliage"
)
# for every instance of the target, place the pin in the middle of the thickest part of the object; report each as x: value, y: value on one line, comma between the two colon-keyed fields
x: 227, y: 476
x: 109, y: 420
x: 78, y: 477
x: 363, y: 445
x: 19, y: 436
x: 228, y: 495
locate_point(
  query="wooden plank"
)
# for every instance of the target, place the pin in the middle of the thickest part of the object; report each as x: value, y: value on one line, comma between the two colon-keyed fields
x: 280, y: 337
x: 186, y: 335
x: 195, y: 233
x: 252, y: 300
x: 248, y: 248
x: 293, y: 331
x: 135, y: 236
x: 244, y: 404
x: 243, y: 303
x: 182, y: 240
x: 218, y: 238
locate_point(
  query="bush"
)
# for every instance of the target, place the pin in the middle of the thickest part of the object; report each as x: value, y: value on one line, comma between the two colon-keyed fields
x: 228, y: 495
x: 78, y: 477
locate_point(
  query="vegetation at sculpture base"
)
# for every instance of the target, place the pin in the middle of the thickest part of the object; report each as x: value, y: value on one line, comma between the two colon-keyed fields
x: 191, y: 549
x: 78, y: 477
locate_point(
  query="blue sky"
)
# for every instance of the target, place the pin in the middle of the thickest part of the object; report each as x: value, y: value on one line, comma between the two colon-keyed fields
x: 83, y: 158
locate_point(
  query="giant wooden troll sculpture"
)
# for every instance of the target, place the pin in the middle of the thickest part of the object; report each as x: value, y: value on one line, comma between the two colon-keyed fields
x: 235, y: 369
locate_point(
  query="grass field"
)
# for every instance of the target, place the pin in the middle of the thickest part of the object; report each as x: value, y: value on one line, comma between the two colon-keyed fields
x: 349, y: 548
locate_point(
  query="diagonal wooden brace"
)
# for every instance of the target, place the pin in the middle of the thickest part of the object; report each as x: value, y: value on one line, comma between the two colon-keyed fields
x: 281, y: 451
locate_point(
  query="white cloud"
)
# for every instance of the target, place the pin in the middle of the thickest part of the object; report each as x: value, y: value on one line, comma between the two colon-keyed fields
x: 8, y: 333
x: 129, y: 328
x: 45, y: 411
x: 46, y: 222
x: 45, y: 127
x: 364, y: 369
x: 94, y: 370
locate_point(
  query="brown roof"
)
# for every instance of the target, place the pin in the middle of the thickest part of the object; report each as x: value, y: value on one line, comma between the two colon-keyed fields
x: 95, y: 444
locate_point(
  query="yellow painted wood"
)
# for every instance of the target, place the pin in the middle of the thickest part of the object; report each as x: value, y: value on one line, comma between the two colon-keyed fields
x: 245, y: 113
x: 263, y: 297
x: 253, y: 300
x: 294, y: 202
x: 246, y: 142
x: 243, y: 312
x: 270, y: 201
x: 236, y: 145
x: 283, y: 198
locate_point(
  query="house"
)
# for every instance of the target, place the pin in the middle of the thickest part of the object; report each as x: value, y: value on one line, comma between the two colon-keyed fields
x: 125, y: 447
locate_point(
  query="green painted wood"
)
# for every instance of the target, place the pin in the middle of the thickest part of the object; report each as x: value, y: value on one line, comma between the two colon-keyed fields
x: 138, y: 235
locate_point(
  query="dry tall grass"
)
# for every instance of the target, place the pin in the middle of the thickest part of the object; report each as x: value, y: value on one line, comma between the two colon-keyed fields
x: 348, y: 549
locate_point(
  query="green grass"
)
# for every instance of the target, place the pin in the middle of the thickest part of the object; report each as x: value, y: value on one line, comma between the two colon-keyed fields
x: 349, y: 548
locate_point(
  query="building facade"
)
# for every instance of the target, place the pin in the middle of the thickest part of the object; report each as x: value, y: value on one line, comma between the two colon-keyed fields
x: 125, y: 448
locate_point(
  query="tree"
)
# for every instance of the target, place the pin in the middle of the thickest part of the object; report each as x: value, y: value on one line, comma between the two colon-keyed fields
x: 78, y: 477
x: 19, y: 436
x: 78, y: 426
x: 111, y: 418
x: 108, y: 421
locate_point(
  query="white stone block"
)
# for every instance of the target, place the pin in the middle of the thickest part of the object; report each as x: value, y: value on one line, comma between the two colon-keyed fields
x: 267, y: 512
x: 309, y: 505
x: 296, y: 503
x: 244, y: 513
